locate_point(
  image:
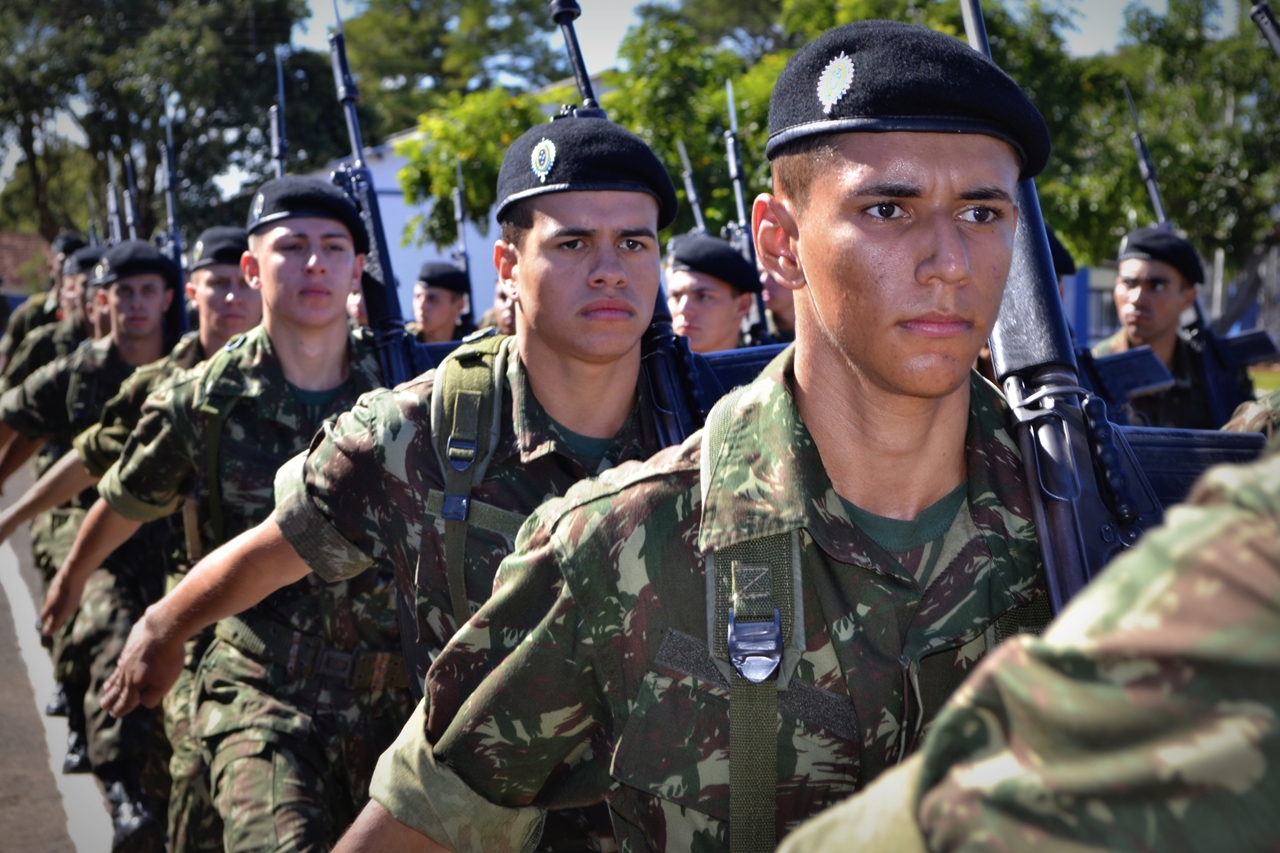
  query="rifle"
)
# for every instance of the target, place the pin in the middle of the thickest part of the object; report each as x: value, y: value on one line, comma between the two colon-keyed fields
x: 676, y: 380
x: 460, y: 256
x: 114, y: 231
x: 175, y: 321
x: 381, y: 298
x: 691, y: 189
x: 93, y: 219
x: 279, y: 144
x: 1221, y: 361
x: 739, y: 233
x: 1266, y: 21
x: 130, y: 198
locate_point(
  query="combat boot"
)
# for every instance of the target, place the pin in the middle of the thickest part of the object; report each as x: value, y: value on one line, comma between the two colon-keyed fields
x: 77, y: 757
x: 136, y: 829
x: 57, y: 706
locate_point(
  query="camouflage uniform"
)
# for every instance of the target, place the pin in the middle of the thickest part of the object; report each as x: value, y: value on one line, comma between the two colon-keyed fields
x: 41, y: 346
x: 1144, y: 719
x: 1261, y: 415
x: 1185, y: 405
x: 292, y: 733
x: 600, y: 683
x: 39, y: 309
x: 414, y: 329
x: 361, y: 498
x: 194, y: 825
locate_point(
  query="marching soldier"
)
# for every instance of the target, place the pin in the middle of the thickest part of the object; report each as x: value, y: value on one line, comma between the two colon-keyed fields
x: 439, y: 301
x: 502, y: 315
x: 1157, y: 281
x: 39, y: 309
x: 533, y: 414
x: 710, y: 288
x: 296, y: 696
x: 747, y: 628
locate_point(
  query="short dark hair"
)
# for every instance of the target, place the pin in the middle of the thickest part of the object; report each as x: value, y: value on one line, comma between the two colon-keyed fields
x: 516, y: 221
x: 797, y: 165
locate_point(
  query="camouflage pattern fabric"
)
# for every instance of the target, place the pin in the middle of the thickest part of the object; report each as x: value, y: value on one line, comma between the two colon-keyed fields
x: 1185, y: 405
x: 1145, y: 718
x: 1261, y: 415
x: 194, y: 823
x: 414, y: 330
x: 241, y: 700
x: 39, y: 309
x: 360, y: 497
x: 43, y: 345
x: 599, y: 682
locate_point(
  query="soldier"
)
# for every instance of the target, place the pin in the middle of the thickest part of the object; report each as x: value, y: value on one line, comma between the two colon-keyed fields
x: 802, y: 584
x: 135, y: 284
x: 439, y: 301
x: 1261, y: 415
x: 1144, y: 719
x: 1157, y: 280
x: 226, y: 307
x: 39, y: 309
x: 502, y: 316
x: 563, y: 402
x: 296, y: 696
x: 710, y: 288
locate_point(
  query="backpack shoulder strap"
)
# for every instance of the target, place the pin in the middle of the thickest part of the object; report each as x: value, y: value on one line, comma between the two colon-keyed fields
x: 755, y: 630
x: 466, y: 413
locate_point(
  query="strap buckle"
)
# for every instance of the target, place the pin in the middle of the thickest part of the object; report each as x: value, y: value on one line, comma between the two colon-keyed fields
x: 336, y: 664
x: 755, y: 648
x: 461, y: 453
x: 456, y: 507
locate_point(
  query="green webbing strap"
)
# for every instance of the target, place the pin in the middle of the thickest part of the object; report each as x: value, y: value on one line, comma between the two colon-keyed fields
x: 215, y: 416
x: 461, y: 453
x: 484, y: 516
x: 754, y: 585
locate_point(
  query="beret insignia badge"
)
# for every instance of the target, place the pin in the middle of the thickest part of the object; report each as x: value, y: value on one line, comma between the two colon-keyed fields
x: 199, y: 250
x: 543, y: 158
x: 101, y: 270
x: 835, y: 81
x: 259, y: 202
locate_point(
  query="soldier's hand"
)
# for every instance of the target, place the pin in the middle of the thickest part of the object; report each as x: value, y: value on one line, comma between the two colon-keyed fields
x: 60, y: 603
x: 148, y: 667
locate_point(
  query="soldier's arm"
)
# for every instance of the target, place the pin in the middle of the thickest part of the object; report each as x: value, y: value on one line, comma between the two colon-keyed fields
x: 30, y: 413
x: 67, y: 478
x: 376, y: 830
x: 230, y: 580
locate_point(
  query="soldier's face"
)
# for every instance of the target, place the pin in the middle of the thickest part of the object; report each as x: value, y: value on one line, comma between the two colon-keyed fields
x: 304, y: 268
x: 136, y: 305
x: 899, y: 258
x: 705, y: 310
x: 72, y: 293
x: 227, y: 305
x: 1150, y: 298
x: 585, y: 276
x: 437, y: 310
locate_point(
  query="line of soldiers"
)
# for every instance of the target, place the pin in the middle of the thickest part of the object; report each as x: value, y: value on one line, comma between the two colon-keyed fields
x: 581, y: 603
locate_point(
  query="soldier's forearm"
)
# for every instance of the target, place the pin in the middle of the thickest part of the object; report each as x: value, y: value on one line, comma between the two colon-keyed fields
x: 103, y: 531
x: 17, y: 450
x: 66, y: 479
x: 230, y: 580
x: 376, y: 829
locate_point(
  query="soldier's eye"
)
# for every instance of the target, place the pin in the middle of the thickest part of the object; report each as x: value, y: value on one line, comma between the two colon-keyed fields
x: 885, y: 210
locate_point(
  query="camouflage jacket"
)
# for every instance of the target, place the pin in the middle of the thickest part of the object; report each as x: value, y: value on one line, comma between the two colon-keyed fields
x: 41, y: 346
x: 39, y: 309
x: 599, y: 682
x: 360, y: 496
x: 63, y: 398
x: 1185, y: 405
x: 1145, y: 719
x: 1261, y: 415
x: 100, y: 445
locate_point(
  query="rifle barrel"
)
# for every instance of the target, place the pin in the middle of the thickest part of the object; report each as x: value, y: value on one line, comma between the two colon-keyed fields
x: 564, y: 13
x: 130, y: 198
x: 1266, y: 21
x: 690, y: 188
x: 1146, y: 166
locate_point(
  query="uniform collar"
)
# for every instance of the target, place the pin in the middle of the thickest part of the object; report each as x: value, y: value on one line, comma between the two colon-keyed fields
x: 777, y: 482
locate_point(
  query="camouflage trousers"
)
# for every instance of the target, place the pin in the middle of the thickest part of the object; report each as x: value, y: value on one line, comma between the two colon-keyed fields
x: 290, y: 758
x: 194, y: 823
x: 52, y: 534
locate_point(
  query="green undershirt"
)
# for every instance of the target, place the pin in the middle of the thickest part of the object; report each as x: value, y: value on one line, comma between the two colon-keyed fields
x: 590, y: 450
x: 899, y: 537
x: 314, y: 403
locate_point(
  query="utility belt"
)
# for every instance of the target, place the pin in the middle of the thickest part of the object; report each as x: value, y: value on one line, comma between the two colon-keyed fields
x: 305, y: 655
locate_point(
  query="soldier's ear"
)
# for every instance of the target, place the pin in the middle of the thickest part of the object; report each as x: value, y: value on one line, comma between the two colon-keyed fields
x: 249, y: 266
x: 776, y: 232
x: 506, y: 260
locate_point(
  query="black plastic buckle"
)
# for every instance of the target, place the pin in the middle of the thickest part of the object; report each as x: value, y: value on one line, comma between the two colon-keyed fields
x: 336, y: 664
x: 456, y: 507
x: 755, y: 648
x: 461, y: 453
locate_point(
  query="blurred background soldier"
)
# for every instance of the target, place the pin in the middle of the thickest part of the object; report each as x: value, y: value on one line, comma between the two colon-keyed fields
x: 710, y: 287
x: 39, y: 309
x: 502, y: 315
x: 439, y: 301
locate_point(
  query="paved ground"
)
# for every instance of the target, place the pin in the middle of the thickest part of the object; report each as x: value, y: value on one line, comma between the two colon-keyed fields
x: 41, y: 811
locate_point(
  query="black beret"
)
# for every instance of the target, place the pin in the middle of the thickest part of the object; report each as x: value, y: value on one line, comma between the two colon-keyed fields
x: 1063, y: 263
x: 133, y: 257
x: 576, y: 154
x: 446, y: 275
x: 67, y: 242
x: 882, y: 76
x: 221, y: 244
x: 82, y: 260
x: 714, y: 257
x: 1157, y: 244
x: 297, y: 195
